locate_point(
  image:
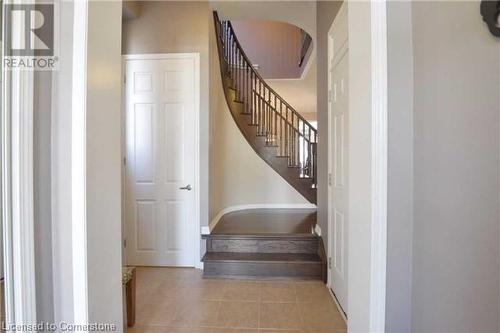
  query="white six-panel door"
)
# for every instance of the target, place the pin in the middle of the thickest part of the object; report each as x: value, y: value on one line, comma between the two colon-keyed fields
x: 338, y: 108
x: 160, y: 160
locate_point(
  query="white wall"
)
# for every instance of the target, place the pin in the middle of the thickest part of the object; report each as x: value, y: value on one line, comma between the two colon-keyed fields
x: 103, y: 162
x: 456, y: 176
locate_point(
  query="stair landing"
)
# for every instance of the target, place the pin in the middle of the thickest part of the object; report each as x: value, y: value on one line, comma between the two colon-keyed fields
x: 270, y: 222
x: 265, y: 243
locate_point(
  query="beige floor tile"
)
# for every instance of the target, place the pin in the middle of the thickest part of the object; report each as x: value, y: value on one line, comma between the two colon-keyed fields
x: 238, y: 315
x: 195, y: 313
x: 189, y: 330
x: 171, y: 300
x: 231, y: 330
x: 265, y: 330
x: 155, y: 313
x: 311, y: 291
x: 315, y: 330
x: 321, y: 316
x: 142, y: 329
x: 277, y: 292
x: 206, y: 290
x: 279, y: 316
x: 242, y: 291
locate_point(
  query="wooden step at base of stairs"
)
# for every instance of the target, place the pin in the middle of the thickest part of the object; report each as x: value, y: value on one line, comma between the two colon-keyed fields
x: 262, y: 265
x: 307, y: 244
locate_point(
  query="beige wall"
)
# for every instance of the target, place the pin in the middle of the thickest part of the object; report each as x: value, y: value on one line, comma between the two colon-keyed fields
x: 174, y: 27
x: 326, y: 11
x: 400, y: 166
x: 237, y: 174
x: 273, y: 46
x: 299, y: 93
x: 456, y: 170
x: 103, y: 163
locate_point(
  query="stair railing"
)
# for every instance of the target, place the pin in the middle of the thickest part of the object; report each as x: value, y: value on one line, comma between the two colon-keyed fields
x: 276, y: 120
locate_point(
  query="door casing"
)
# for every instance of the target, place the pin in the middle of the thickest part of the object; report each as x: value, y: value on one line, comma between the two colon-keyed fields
x: 336, y: 54
x: 196, y: 237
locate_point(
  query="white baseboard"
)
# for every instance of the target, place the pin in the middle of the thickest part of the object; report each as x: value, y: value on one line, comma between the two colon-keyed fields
x: 317, y: 230
x: 341, y: 311
x: 230, y: 209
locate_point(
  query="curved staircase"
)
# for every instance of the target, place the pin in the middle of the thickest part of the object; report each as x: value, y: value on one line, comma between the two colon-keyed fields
x: 274, y: 129
x: 268, y: 243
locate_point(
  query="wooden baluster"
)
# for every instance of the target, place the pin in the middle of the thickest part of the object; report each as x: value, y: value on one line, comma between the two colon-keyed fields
x: 292, y: 151
x: 304, y: 142
x: 240, y: 76
x: 309, y: 152
x: 286, y: 133
x: 275, y: 129
x: 259, y: 118
x: 233, y: 60
x: 281, y: 129
x: 245, y: 96
x: 228, y: 51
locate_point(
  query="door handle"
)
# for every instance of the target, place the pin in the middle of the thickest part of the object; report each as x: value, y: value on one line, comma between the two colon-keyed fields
x: 188, y: 187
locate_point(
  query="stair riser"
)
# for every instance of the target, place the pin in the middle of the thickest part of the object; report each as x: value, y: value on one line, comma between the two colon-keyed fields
x: 262, y: 246
x: 290, y: 270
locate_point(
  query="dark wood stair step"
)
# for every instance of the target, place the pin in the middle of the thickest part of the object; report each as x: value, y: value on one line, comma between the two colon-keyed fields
x: 262, y: 265
x: 306, y: 244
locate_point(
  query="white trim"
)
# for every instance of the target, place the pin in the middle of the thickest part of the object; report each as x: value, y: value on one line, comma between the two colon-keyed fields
x: 17, y: 193
x: 379, y: 166
x: 379, y: 141
x: 205, y: 230
x: 235, y: 208
x: 78, y: 163
x: 332, y: 63
x: 341, y: 311
x: 197, y: 193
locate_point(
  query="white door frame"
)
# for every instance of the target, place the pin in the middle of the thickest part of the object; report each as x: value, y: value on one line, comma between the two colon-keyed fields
x: 343, y: 51
x: 196, y: 238
x: 379, y: 141
x: 17, y: 193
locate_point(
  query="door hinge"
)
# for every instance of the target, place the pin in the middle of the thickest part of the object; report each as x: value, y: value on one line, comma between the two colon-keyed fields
x: 124, y: 161
x: 330, y: 179
x: 125, y: 79
x: 329, y: 262
x: 125, y: 243
x: 329, y: 95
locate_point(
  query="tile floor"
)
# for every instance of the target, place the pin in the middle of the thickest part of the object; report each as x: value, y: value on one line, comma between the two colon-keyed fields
x: 176, y: 300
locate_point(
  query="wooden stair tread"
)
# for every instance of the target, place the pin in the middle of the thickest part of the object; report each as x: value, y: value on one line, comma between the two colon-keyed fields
x: 262, y: 257
x: 267, y: 236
